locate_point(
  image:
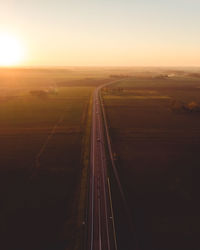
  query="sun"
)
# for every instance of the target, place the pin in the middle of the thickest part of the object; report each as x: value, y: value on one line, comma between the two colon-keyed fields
x: 11, y: 50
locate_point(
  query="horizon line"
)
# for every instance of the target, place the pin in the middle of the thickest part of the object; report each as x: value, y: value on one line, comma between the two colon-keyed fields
x: 90, y: 66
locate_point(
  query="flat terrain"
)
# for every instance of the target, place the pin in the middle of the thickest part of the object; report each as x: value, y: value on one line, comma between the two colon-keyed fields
x: 156, y: 136
x: 42, y: 129
x: 41, y: 139
x: 45, y: 121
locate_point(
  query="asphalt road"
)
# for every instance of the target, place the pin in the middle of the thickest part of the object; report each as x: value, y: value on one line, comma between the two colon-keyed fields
x: 101, y: 229
x: 105, y: 209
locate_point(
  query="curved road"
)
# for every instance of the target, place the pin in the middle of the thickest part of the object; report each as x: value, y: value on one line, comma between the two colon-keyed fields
x: 101, y: 230
x: 101, y: 233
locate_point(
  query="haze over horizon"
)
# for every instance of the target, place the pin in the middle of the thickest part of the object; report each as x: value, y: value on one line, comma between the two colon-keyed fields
x: 104, y: 33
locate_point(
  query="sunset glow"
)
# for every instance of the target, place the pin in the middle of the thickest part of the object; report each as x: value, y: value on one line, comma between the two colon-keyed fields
x: 100, y: 33
x: 11, y: 50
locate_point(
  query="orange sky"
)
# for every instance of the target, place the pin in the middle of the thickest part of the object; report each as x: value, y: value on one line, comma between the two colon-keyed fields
x: 104, y: 33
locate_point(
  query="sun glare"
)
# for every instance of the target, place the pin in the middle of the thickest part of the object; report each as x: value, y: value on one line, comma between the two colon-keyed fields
x: 11, y: 50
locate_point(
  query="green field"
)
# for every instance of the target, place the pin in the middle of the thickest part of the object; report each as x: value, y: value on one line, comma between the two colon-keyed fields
x: 45, y: 122
x: 42, y: 138
x: 157, y: 151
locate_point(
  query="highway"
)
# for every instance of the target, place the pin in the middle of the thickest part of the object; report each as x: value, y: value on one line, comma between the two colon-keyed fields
x: 101, y: 226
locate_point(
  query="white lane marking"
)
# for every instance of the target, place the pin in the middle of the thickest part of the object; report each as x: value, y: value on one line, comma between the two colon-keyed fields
x: 103, y: 177
x: 111, y: 155
x: 113, y: 219
x: 98, y: 185
x: 96, y: 95
x: 93, y: 129
x: 99, y: 207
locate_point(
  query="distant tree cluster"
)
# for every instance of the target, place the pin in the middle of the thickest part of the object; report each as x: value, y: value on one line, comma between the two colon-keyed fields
x: 190, y: 107
x: 44, y: 93
x: 39, y: 93
x: 162, y: 76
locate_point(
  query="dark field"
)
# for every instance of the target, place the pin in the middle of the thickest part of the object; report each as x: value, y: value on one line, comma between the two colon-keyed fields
x: 41, y: 159
x: 45, y: 121
x: 156, y: 136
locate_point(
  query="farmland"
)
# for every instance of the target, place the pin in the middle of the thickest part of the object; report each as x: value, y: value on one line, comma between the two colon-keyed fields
x: 156, y: 138
x: 45, y: 122
x: 42, y: 130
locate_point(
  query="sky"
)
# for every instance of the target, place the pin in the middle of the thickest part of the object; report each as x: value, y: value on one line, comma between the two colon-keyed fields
x: 105, y: 32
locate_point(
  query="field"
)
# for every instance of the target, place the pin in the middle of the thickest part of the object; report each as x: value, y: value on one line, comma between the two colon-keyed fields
x: 155, y: 130
x: 43, y: 123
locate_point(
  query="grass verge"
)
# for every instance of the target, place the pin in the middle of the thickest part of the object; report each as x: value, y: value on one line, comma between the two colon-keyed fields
x: 83, y: 188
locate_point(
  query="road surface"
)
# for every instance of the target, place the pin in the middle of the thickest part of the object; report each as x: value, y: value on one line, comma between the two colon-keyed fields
x: 101, y: 228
